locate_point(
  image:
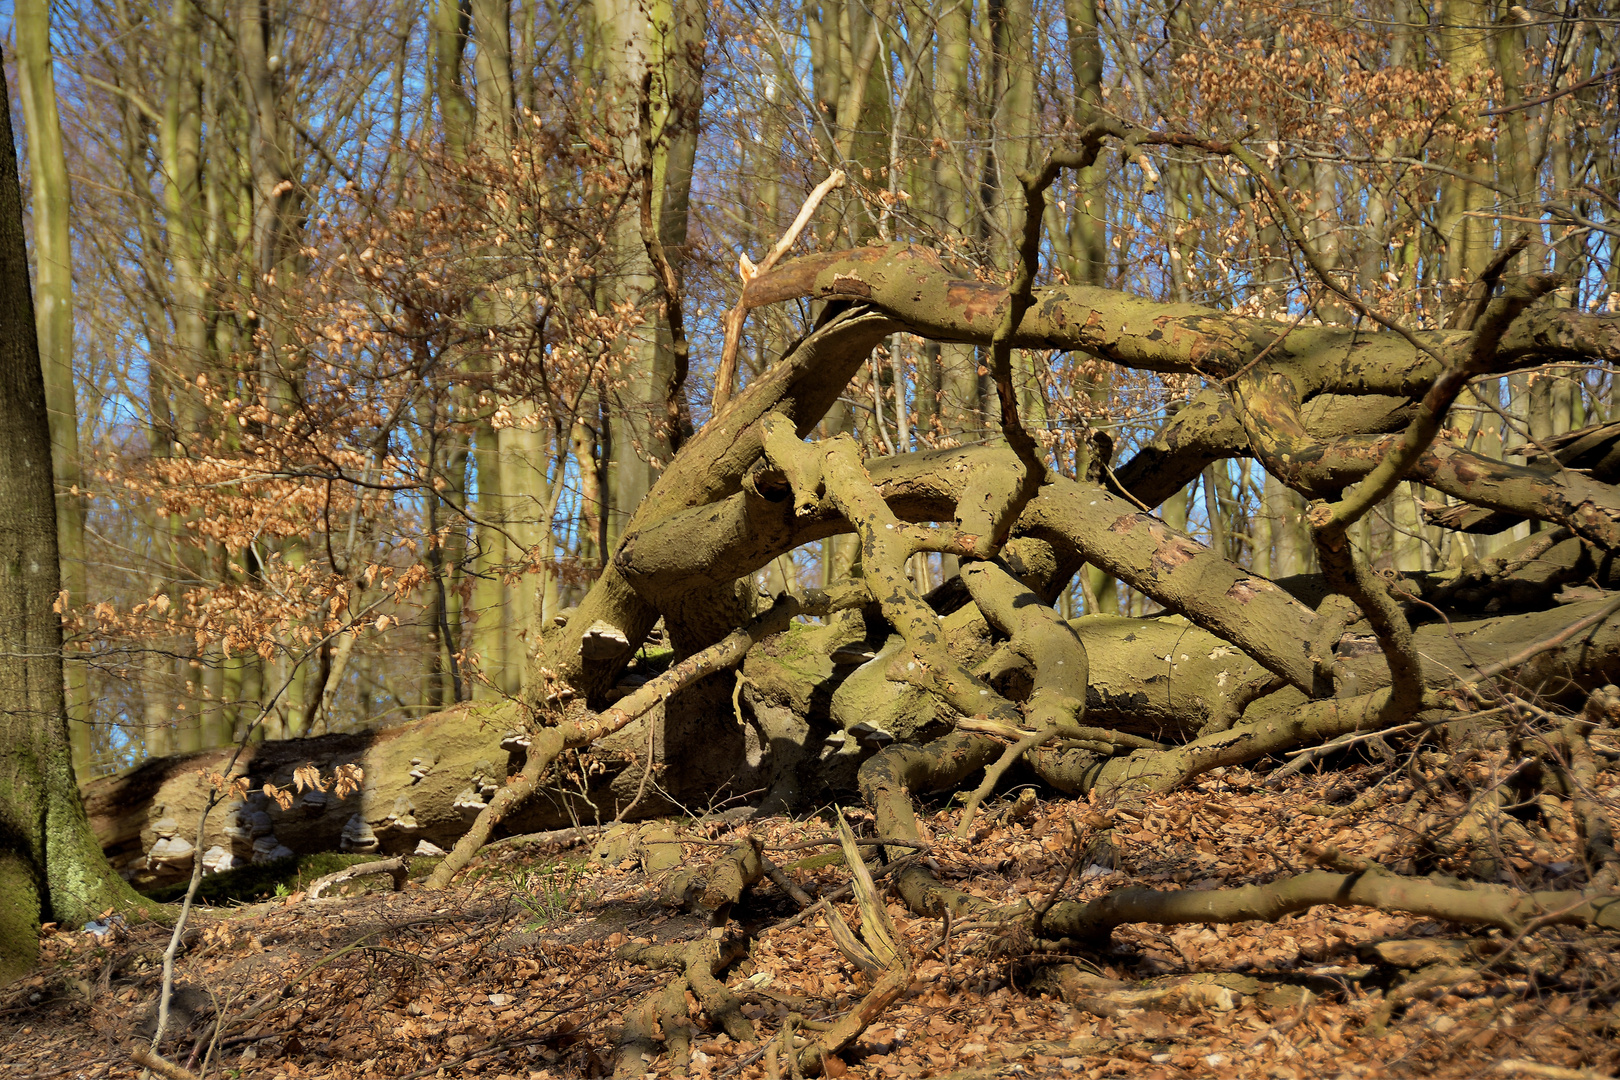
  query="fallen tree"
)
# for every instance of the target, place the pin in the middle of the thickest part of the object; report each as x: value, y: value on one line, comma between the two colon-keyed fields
x: 1237, y: 668
x: 873, y: 687
x: 748, y: 489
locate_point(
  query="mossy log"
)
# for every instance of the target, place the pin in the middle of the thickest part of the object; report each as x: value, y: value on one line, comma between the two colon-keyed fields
x: 816, y: 704
x: 425, y: 779
x: 419, y: 776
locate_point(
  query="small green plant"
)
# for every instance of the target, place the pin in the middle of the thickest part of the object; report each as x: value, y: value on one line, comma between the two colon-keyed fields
x: 548, y: 894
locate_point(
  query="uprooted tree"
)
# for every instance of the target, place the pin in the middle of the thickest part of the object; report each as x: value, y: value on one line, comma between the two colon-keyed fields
x: 982, y: 671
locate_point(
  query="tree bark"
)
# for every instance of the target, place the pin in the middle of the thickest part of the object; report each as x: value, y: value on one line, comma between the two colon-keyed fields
x: 53, y: 287
x: 51, y: 868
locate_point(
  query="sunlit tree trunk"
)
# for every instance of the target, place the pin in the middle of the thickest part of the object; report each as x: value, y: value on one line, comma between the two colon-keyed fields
x: 53, y: 282
x: 51, y: 867
x: 1468, y: 234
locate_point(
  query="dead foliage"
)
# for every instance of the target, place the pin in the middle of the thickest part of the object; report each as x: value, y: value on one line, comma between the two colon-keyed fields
x: 548, y: 963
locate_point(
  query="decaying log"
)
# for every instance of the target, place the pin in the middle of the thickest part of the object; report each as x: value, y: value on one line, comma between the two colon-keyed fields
x: 420, y: 777
x: 1157, y: 677
x: 425, y: 779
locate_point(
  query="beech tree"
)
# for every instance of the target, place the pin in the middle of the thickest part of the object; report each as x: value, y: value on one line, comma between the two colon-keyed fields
x: 51, y: 867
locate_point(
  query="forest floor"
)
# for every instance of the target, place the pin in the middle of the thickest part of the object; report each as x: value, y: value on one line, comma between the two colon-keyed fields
x: 513, y: 972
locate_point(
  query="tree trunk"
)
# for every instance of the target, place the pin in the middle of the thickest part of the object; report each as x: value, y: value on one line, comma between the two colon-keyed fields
x: 53, y: 287
x: 51, y: 868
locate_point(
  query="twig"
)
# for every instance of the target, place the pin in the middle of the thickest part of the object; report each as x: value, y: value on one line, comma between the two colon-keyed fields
x: 219, y: 1030
x: 1057, y: 890
x: 780, y: 879
x: 162, y: 1066
x: 1601, y: 76
x: 1304, y: 757
x: 840, y: 893
x: 214, y: 799
x: 993, y: 775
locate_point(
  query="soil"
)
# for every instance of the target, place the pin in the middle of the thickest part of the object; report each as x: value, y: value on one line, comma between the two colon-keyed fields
x: 513, y: 972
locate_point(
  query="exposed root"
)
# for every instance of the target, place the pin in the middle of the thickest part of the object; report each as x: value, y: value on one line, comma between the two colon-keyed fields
x: 888, y: 779
x: 1485, y: 825
x: 663, y: 1011
x: 699, y: 961
x: 785, y: 1044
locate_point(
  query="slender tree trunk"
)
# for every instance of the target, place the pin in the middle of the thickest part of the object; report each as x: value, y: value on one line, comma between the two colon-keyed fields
x: 960, y: 416
x: 53, y: 282
x: 1090, y: 215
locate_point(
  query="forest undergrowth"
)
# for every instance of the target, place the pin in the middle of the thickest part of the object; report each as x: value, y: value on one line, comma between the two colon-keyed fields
x: 528, y: 967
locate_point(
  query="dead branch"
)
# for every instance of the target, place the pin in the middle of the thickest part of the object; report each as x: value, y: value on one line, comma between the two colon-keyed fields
x: 725, y: 377
x: 716, y: 887
x: 146, y: 1059
x: 394, y: 867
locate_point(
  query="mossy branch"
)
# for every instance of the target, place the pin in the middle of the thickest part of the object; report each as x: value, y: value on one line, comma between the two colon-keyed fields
x: 549, y: 742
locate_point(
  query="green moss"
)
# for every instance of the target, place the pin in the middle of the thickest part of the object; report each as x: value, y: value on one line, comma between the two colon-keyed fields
x: 19, y: 917
x: 265, y: 881
x: 655, y: 659
x: 816, y: 862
